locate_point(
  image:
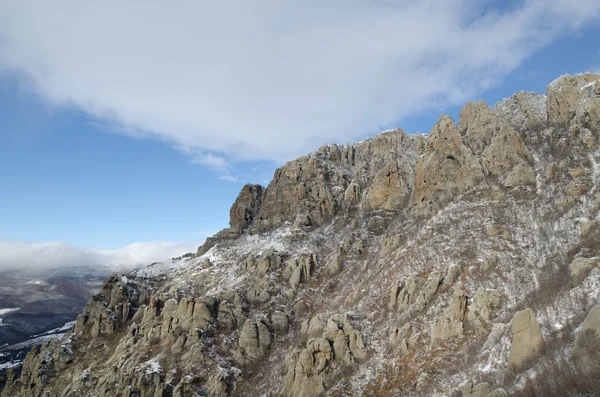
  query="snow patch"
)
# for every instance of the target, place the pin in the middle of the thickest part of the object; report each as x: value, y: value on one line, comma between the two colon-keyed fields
x: 8, y: 310
x: 589, y: 84
x: 161, y: 268
x: 11, y: 364
x: 151, y: 366
x: 40, y: 340
x: 61, y: 329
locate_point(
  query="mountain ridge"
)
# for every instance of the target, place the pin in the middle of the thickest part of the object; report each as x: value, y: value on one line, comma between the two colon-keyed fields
x: 439, y: 264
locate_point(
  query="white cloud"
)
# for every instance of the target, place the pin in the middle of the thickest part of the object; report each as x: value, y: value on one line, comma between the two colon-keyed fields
x: 19, y: 254
x: 229, y: 178
x: 270, y: 79
x: 208, y: 159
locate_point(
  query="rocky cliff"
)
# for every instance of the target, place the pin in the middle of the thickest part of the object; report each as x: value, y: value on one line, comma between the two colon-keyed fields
x: 459, y: 263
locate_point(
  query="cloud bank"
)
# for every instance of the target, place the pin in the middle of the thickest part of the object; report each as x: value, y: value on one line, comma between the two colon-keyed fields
x: 270, y: 79
x: 46, y: 255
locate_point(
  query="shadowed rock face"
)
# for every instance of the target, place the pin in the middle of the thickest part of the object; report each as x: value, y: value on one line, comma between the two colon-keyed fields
x: 245, y: 208
x: 400, y: 265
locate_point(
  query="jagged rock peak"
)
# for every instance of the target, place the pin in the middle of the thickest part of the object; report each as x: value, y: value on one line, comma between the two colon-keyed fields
x: 382, y: 173
x: 246, y: 207
x: 575, y: 99
x: 446, y: 168
x: 523, y: 110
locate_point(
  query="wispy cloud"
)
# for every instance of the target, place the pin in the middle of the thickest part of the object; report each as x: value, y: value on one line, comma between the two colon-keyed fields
x: 211, y: 160
x: 271, y: 79
x: 229, y: 178
x: 20, y: 254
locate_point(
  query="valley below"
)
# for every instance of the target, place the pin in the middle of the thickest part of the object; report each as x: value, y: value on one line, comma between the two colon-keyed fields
x: 39, y: 305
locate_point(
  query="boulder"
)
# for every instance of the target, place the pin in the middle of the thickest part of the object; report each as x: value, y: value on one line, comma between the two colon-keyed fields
x: 400, y: 338
x: 305, y: 376
x: 527, y: 340
x: 280, y: 322
x: 313, y: 327
x: 476, y: 390
x: 255, y: 339
x: 259, y: 291
x: 581, y: 267
x: 590, y: 234
x: 589, y: 333
x: 299, y: 270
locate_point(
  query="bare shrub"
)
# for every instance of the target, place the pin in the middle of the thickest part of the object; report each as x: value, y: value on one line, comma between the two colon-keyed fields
x: 560, y: 377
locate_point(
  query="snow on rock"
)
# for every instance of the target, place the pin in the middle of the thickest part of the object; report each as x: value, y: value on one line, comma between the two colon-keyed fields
x: 456, y: 274
x: 152, y: 366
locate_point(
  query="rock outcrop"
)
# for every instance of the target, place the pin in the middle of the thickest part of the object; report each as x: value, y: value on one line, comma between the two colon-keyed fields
x: 481, y: 390
x: 478, y: 390
x: 524, y: 110
x: 497, y: 143
x: 581, y: 268
x: 446, y: 169
x: 255, y: 339
x: 377, y: 174
x: 386, y: 267
x: 246, y: 208
x: 575, y: 100
x: 334, y: 346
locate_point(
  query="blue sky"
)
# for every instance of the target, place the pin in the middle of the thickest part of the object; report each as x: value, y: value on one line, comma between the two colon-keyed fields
x: 93, y: 155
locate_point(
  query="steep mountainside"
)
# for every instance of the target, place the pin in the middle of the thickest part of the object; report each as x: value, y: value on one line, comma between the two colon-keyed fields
x: 461, y: 263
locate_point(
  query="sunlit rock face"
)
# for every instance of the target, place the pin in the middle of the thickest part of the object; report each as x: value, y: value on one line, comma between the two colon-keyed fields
x: 444, y: 264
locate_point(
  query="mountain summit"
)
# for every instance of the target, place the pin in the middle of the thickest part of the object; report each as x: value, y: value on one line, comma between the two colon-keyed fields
x: 464, y: 262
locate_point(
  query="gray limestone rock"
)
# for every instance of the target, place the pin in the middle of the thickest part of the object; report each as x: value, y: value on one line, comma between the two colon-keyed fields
x: 255, y: 339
